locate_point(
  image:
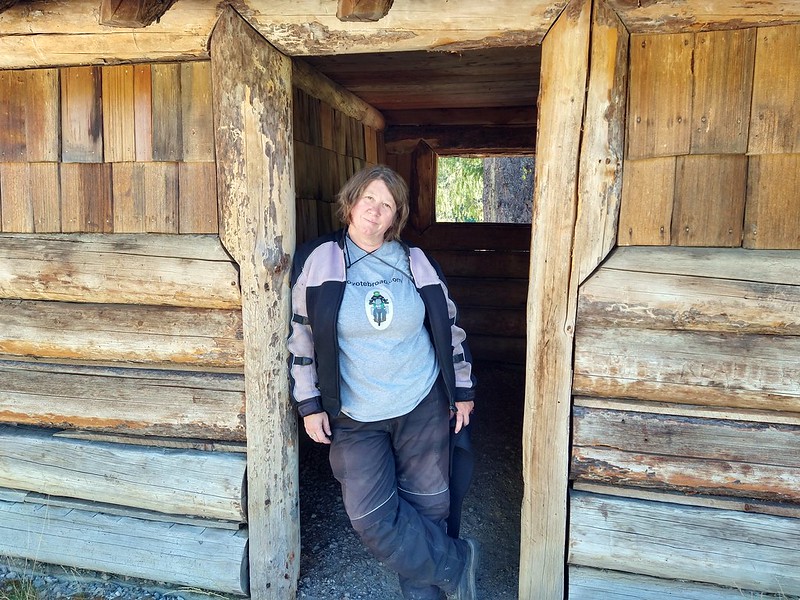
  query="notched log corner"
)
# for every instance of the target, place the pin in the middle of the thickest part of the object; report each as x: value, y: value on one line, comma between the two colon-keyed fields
x: 363, y: 10
x: 132, y: 13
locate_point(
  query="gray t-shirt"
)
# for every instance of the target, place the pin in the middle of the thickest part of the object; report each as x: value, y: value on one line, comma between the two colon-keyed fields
x: 387, y: 362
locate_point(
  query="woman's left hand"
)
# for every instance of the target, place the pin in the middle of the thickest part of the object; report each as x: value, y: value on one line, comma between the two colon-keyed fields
x: 463, y: 412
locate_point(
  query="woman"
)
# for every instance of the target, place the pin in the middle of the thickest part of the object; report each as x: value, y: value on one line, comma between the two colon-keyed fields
x: 377, y: 369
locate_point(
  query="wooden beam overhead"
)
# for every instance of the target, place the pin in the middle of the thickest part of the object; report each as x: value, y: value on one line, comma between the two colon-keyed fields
x: 363, y: 10
x: 132, y: 13
x: 4, y: 4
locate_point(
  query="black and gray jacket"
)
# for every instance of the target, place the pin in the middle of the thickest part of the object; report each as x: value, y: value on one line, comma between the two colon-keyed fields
x: 318, y: 281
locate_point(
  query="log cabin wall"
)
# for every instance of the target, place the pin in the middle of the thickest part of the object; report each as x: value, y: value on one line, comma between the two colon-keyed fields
x: 686, y: 416
x: 120, y: 355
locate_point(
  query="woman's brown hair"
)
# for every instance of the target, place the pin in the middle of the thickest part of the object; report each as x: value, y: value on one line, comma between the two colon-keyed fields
x: 352, y: 191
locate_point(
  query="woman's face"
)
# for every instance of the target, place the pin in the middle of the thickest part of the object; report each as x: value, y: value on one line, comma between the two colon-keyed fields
x: 374, y: 212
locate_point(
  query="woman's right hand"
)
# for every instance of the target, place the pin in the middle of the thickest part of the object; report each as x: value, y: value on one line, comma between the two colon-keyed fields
x: 318, y: 427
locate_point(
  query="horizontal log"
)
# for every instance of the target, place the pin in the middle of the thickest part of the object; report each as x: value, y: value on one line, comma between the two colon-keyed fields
x: 613, y: 298
x: 315, y: 84
x: 181, y: 482
x: 749, y: 505
x: 590, y: 584
x: 472, y: 236
x: 153, y: 441
x: 765, y: 266
x: 749, y: 551
x: 685, y: 367
x: 197, y: 337
x: 455, y: 263
x: 488, y: 292
x: 675, y: 16
x: 200, y: 557
x: 689, y: 410
x: 464, y: 139
x: 495, y: 321
x: 121, y: 511
x: 127, y: 400
x: 704, y: 456
x: 488, y: 348
x: 173, y: 270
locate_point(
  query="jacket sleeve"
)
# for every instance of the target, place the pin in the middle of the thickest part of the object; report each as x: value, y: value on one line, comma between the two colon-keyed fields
x: 302, y: 365
x: 462, y: 358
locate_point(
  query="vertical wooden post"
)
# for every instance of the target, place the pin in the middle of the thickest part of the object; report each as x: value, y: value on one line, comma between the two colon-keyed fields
x: 564, y: 75
x: 252, y: 93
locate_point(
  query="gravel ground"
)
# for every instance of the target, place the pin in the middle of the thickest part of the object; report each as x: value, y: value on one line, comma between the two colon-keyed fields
x: 333, y: 563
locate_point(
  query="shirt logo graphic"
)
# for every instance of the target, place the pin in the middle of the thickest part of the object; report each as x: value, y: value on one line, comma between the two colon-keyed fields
x: 379, y: 306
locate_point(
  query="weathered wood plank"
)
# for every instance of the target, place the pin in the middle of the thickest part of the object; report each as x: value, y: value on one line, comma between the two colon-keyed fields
x: 590, y: 584
x: 660, y: 95
x: 710, y: 193
x: 723, y: 84
x: 86, y: 198
x: 81, y: 115
x: 682, y: 542
x: 496, y: 320
x: 775, y: 111
x: 600, y: 179
x: 766, y: 266
x: 187, y: 270
x: 12, y: 117
x: 125, y: 400
x: 146, y: 197
x: 168, y: 552
x: 772, y: 215
x: 198, y: 210
x: 119, y: 140
x: 614, y: 299
x: 691, y: 455
x: 166, y: 112
x: 122, y: 333
x: 16, y: 207
x: 709, y: 369
x: 42, y: 115
x: 183, y: 482
x: 129, y: 201
x: 252, y: 90
x: 545, y: 438
x: 46, y: 196
x: 197, y: 129
x: 648, y: 193
x: 143, y: 111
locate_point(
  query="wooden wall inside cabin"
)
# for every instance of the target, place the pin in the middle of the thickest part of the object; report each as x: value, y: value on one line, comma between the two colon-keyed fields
x: 486, y: 264
x: 330, y: 146
x: 713, y: 139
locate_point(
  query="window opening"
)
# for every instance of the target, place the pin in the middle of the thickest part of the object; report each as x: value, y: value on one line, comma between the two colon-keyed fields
x: 492, y: 189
